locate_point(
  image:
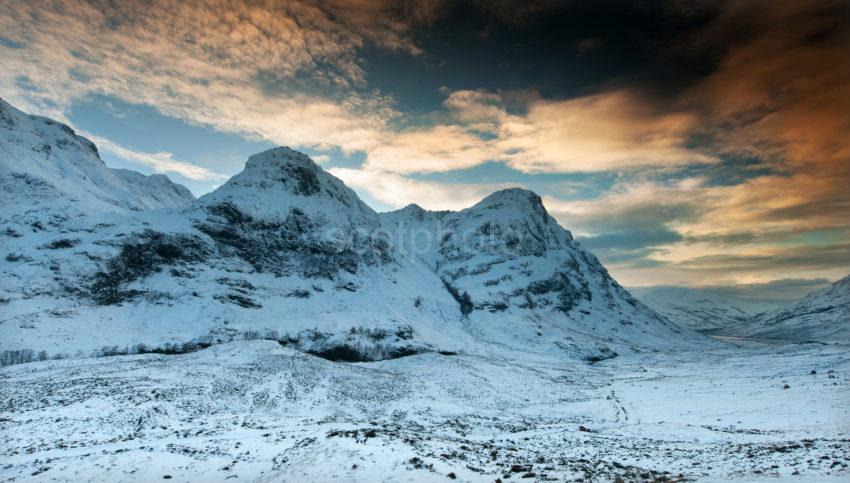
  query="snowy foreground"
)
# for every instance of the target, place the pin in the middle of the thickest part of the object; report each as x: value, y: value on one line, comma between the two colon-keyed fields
x: 254, y: 410
x: 500, y: 348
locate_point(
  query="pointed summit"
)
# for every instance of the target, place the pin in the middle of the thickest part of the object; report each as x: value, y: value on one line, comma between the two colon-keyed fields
x: 516, y: 196
x: 276, y: 181
x: 516, y: 207
x: 280, y: 156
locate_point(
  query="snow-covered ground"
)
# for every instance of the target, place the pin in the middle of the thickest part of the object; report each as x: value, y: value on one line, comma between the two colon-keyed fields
x: 500, y: 349
x: 254, y: 410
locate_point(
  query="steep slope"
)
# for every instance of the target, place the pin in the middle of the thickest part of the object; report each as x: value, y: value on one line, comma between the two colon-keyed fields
x: 822, y: 316
x: 699, y: 309
x: 46, y: 169
x: 519, y: 276
x: 283, y: 250
x: 282, y: 204
x: 286, y: 251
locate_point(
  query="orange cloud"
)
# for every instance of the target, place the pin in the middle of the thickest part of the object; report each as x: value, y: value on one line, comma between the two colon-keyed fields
x: 615, y: 130
x: 610, y: 131
x: 784, y: 91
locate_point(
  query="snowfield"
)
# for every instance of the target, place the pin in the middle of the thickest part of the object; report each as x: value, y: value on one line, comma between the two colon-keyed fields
x: 279, y: 329
x: 257, y: 411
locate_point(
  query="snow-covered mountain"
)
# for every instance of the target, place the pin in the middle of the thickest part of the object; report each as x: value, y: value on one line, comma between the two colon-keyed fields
x: 701, y: 309
x: 46, y: 171
x: 821, y: 316
x: 284, y: 250
x: 505, y: 317
x: 514, y: 270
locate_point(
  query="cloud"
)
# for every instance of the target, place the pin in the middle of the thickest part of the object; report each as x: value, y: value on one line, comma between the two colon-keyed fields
x: 686, y: 229
x: 286, y: 72
x: 161, y: 162
x: 588, y: 44
x: 437, y: 149
x: 779, y: 88
x: 628, y: 226
x: 785, y: 289
x: 614, y: 130
x: 632, y: 205
x: 611, y: 131
x: 291, y: 73
x: 778, y: 96
x: 399, y: 191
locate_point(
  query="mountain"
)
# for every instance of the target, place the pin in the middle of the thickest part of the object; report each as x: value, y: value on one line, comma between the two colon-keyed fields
x: 515, y: 272
x: 48, y: 172
x: 822, y: 316
x: 285, y: 251
x: 701, y: 309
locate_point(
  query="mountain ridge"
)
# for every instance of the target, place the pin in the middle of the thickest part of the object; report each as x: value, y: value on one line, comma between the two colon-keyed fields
x: 701, y: 309
x: 44, y: 164
x: 287, y: 250
x: 821, y: 316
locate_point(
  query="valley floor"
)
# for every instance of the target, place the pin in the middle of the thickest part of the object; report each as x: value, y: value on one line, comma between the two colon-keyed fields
x: 257, y: 411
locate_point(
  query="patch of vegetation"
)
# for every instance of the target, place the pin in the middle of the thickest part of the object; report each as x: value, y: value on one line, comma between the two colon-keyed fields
x: 21, y: 356
x: 11, y: 232
x: 16, y: 257
x: 238, y: 299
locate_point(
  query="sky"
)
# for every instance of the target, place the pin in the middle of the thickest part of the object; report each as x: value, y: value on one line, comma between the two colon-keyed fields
x: 684, y: 143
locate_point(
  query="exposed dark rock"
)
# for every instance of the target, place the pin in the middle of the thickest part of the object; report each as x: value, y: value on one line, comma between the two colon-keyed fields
x: 568, y: 295
x: 61, y: 243
x: 229, y: 212
x: 238, y: 299
x: 306, y: 183
x: 141, y: 257
x: 296, y: 244
x: 351, y: 353
x: 463, y: 300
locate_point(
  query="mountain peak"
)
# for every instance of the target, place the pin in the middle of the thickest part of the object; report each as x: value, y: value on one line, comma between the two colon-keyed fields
x: 280, y: 156
x: 513, y: 203
x: 278, y: 180
x: 279, y: 169
x: 518, y: 197
x: 413, y: 207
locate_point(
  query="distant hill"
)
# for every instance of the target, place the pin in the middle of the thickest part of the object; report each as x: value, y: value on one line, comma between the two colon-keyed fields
x: 701, y: 309
x: 822, y: 316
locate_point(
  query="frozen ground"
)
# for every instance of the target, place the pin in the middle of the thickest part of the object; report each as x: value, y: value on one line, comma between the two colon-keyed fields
x: 255, y: 410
